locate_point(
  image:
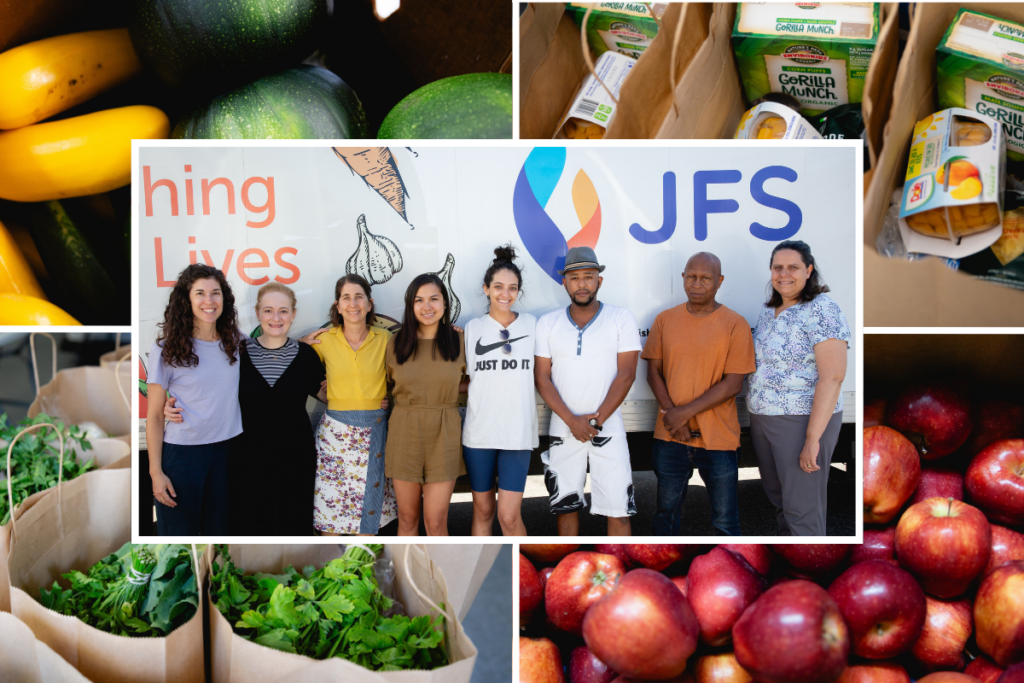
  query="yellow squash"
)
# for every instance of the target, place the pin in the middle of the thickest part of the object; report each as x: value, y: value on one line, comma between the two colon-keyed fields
x: 15, y: 274
x: 48, y: 76
x: 75, y: 157
x: 18, y: 309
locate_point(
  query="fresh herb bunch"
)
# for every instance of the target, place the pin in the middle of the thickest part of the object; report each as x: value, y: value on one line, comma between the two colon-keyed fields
x: 140, y: 590
x: 36, y: 458
x: 335, y: 611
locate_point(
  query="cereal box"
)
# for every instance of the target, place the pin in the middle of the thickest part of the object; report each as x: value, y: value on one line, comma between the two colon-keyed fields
x: 815, y: 51
x: 624, y: 27
x: 980, y: 65
x: 593, y: 107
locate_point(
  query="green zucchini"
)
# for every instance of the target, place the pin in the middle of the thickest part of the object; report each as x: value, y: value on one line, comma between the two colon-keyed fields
x: 471, y: 106
x: 302, y: 103
x: 86, y: 291
x: 224, y: 42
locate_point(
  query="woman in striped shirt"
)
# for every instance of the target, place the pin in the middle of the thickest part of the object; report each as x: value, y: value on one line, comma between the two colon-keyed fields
x: 273, y: 462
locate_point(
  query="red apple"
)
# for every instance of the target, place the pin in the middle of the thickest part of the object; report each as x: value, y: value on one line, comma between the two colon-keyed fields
x: 547, y: 552
x: 720, y: 585
x: 815, y: 560
x: 539, y: 661
x: 531, y: 592
x: 1006, y: 545
x: 874, y: 412
x: 584, y: 667
x: 936, y: 417
x: 875, y: 672
x: 644, y: 628
x: 947, y: 677
x: 660, y: 556
x: 720, y: 668
x: 938, y: 481
x: 945, y: 543
x: 999, y: 614
x: 759, y: 556
x: 879, y: 544
x: 891, y: 470
x: 1014, y: 674
x: 680, y: 582
x: 794, y: 633
x: 995, y: 421
x: 947, y: 627
x: 995, y: 480
x: 579, y: 580
x: 883, y: 607
x: 685, y: 677
x: 984, y: 669
x: 616, y: 549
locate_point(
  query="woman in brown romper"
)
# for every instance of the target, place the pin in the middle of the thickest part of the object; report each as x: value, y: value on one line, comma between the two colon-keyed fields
x: 426, y: 362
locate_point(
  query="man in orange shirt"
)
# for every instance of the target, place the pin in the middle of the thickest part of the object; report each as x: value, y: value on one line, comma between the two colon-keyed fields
x: 697, y: 354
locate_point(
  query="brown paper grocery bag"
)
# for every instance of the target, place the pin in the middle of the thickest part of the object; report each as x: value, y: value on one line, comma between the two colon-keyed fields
x: 551, y: 68
x: 236, y: 660
x: 74, y: 527
x: 85, y: 394
x: 693, y: 46
x: 27, y: 660
x: 111, y: 358
x: 879, y: 82
x: 465, y: 567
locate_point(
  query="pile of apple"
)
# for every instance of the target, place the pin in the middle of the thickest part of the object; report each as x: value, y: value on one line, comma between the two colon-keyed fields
x: 796, y: 613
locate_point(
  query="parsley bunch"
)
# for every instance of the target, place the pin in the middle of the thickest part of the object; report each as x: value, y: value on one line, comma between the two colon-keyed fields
x: 140, y: 590
x: 36, y: 458
x: 335, y: 611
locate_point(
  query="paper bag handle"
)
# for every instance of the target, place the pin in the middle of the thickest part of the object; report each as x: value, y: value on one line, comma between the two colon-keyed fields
x: 117, y: 379
x: 422, y: 595
x: 35, y: 364
x: 675, y: 51
x: 195, y: 568
x: 10, y: 449
x: 117, y: 342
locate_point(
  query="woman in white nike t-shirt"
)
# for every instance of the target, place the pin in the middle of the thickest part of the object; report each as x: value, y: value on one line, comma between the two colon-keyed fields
x: 500, y: 431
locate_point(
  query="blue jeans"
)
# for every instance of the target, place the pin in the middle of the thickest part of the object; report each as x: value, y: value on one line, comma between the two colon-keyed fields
x: 673, y: 465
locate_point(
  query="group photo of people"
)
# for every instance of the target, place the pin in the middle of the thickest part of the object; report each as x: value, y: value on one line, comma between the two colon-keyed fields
x: 232, y: 452
x: 441, y: 370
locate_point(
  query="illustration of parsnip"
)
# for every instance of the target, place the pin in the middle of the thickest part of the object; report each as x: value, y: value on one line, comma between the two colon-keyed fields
x: 376, y: 257
x: 376, y: 166
x: 446, y: 277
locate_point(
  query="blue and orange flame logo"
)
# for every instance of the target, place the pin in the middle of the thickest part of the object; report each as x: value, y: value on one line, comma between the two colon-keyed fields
x: 534, y: 187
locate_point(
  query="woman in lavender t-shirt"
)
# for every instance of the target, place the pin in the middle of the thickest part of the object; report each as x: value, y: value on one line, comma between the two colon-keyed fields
x: 195, y: 359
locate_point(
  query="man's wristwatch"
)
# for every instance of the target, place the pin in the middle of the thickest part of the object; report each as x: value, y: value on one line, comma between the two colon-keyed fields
x: 593, y: 423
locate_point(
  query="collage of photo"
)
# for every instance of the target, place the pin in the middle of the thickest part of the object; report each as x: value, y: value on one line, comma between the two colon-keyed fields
x: 628, y: 271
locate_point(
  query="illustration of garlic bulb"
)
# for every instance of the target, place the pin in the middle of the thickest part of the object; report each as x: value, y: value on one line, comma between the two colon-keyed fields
x: 446, y: 277
x: 376, y: 257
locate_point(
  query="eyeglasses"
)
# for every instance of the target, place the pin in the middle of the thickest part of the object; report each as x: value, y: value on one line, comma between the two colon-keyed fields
x: 507, y: 348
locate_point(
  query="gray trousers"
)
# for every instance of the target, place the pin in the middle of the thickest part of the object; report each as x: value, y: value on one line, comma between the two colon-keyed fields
x: 800, y: 498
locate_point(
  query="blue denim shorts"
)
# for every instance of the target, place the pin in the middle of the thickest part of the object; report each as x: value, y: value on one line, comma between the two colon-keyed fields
x: 481, y: 463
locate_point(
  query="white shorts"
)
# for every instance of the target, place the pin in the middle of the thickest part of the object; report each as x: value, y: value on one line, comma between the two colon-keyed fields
x: 611, y: 476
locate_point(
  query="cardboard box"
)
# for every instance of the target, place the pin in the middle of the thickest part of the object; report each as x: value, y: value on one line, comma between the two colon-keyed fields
x: 817, y: 52
x: 595, y: 104
x: 893, y: 361
x: 926, y: 293
x: 980, y: 64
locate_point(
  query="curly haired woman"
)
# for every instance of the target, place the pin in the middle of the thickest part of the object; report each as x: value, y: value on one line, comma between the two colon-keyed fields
x: 194, y: 359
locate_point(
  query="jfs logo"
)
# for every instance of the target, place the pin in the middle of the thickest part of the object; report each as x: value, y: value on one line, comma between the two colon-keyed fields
x: 543, y: 239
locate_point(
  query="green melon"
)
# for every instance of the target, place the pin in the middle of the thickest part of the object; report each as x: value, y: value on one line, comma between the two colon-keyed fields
x: 472, y: 106
x: 190, y: 43
x: 306, y: 102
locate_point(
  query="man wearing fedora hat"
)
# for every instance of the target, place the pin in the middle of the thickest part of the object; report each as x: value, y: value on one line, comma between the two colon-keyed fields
x: 586, y: 356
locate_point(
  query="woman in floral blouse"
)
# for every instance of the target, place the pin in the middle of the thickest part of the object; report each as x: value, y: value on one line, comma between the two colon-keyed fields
x: 795, y: 398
